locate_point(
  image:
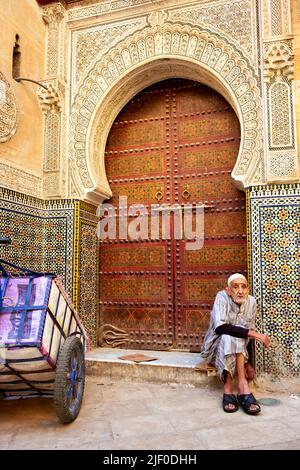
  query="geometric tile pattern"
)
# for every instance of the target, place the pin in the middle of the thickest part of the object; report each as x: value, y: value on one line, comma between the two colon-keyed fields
x: 88, y: 271
x: 55, y: 236
x: 275, y: 268
x: 41, y: 233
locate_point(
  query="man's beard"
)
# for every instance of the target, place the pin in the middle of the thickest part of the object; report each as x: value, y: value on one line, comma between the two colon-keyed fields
x: 240, y: 301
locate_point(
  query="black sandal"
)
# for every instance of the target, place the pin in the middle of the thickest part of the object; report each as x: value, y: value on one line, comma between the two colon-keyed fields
x: 230, y: 399
x: 246, y: 401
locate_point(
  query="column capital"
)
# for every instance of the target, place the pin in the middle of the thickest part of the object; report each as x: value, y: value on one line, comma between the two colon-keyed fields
x: 53, y: 14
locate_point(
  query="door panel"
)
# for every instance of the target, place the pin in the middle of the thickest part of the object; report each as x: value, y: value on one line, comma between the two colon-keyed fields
x: 136, y: 280
x: 201, y: 158
x: 175, y: 142
x: 149, y: 163
x: 140, y: 192
x: 206, y: 144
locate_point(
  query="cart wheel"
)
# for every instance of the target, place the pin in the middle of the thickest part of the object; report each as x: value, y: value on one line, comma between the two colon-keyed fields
x: 69, y: 380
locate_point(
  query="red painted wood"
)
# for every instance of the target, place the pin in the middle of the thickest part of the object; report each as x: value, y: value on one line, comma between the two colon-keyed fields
x: 176, y: 138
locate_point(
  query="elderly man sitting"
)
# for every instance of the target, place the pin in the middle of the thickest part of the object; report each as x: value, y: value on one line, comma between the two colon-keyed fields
x: 225, y: 344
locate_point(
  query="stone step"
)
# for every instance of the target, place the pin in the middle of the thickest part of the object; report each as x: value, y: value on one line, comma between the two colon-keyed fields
x: 179, y: 367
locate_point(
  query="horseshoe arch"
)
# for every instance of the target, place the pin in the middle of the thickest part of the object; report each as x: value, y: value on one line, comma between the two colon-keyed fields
x: 149, y: 56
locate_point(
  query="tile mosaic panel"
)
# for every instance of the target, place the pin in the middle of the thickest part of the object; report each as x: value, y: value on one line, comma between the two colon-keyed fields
x: 275, y: 254
x: 41, y: 233
x: 55, y: 236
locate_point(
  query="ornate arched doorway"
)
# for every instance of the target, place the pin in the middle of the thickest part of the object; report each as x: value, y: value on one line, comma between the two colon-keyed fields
x: 175, y: 142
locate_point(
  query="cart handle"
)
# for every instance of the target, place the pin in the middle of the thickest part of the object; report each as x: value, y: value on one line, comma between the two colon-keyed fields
x: 11, y: 300
x: 5, y: 241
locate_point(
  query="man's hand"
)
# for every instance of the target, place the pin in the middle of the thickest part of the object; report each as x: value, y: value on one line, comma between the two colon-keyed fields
x: 260, y: 337
x: 249, y: 371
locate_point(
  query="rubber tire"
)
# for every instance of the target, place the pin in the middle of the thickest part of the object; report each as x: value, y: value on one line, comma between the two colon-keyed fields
x: 65, y: 413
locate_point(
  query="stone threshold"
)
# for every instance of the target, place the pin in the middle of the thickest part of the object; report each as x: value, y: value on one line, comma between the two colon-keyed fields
x: 179, y: 367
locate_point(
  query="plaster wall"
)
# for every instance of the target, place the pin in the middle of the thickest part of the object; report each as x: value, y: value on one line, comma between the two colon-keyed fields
x: 24, y: 149
x: 296, y: 32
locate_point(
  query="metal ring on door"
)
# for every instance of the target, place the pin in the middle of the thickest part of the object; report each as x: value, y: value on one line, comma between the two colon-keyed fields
x: 159, y: 195
x: 186, y: 194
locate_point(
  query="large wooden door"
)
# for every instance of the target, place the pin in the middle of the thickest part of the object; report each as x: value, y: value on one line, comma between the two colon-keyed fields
x: 175, y: 142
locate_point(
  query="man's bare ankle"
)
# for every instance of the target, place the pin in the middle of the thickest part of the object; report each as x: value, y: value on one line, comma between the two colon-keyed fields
x: 243, y: 389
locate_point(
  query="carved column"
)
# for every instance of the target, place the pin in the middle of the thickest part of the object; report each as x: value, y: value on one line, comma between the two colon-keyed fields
x: 8, y: 110
x: 280, y: 131
x: 53, y: 104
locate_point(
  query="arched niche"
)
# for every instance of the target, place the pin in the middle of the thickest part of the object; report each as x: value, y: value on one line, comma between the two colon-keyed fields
x: 147, y: 57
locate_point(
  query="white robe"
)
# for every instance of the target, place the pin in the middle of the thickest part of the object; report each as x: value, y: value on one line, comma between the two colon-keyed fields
x: 220, y: 350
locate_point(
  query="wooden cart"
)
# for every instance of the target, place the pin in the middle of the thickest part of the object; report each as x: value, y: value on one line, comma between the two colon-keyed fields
x: 42, y: 340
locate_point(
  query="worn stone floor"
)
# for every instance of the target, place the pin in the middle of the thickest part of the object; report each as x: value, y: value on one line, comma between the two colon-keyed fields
x: 132, y: 415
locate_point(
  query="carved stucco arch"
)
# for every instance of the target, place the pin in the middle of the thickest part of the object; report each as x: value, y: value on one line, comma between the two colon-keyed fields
x: 151, y: 55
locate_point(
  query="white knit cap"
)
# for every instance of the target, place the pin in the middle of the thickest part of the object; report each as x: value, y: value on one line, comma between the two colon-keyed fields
x: 235, y: 276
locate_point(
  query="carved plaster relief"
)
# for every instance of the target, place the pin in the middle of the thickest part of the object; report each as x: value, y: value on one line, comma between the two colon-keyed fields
x: 279, y: 61
x: 51, y: 185
x: 52, y: 131
x: 49, y: 99
x: 25, y: 182
x: 54, y: 171
x: 258, y: 173
x: 107, y: 7
x: 234, y: 19
x: 92, y: 43
x: 276, y: 18
x: 286, y: 17
x: 195, y: 47
x: 54, y: 15
x: 52, y: 103
x: 281, y: 158
x: 266, y: 19
x: 8, y: 110
x: 282, y: 162
x: 282, y: 165
x: 158, y: 18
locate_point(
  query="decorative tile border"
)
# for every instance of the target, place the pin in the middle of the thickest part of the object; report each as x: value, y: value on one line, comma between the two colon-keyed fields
x: 89, y: 270
x: 76, y: 250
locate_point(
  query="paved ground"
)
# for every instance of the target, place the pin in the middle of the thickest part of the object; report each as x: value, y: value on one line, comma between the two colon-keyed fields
x: 129, y: 415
